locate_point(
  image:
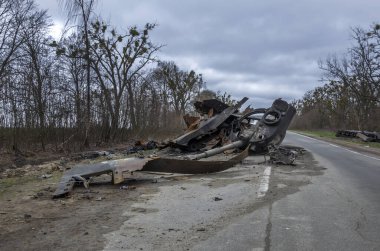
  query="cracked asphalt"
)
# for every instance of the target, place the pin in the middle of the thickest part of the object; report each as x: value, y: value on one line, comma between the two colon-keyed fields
x: 329, y: 201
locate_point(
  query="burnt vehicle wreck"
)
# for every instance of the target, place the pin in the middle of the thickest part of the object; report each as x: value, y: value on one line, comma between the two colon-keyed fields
x: 219, y: 129
x: 366, y: 136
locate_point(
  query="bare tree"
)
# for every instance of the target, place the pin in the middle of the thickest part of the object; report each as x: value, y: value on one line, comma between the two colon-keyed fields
x: 39, y: 62
x: 50, y: 91
x: 182, y: 85
x: 14, y: 15
x: 82, y: 11
x: 118, y: 59
x: 351, y: 95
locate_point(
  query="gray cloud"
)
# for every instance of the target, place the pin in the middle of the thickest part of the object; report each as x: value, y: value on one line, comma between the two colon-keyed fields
x: 259, y: 49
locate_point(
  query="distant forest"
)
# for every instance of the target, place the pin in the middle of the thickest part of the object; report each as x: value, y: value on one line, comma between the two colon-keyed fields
x: 350, y: 96
x: 95, y: 85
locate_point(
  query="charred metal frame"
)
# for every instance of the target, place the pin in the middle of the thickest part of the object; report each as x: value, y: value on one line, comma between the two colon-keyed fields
x: 265, y: 134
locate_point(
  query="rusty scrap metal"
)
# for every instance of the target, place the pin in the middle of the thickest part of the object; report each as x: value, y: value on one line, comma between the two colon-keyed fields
x: 282, y: 155
x: 204, y: 107
x: 212, y: 152
x: 120, y: 168
x: 256, y: 130
x: 366, y: 136
x: 90, y: 155
x: 363, y: 137
x: 191, y: 121
x: 271, y: 128
x: 196, y: 139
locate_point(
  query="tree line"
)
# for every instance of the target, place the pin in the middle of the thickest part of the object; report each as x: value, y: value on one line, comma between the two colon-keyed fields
x: 97, y: 84
x: 350, y: 96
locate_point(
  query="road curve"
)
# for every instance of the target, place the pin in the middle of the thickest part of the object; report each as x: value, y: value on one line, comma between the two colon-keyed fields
x: 340, y: 210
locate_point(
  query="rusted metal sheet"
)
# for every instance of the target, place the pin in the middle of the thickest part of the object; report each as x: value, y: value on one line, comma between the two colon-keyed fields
x: 81, y: 173
x: 190, y: 140
x: 119, y: 168
x: 192, y: 166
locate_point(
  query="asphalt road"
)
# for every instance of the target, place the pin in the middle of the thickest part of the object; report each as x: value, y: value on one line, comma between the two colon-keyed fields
x: 263, y: 207
x: 340, y: 210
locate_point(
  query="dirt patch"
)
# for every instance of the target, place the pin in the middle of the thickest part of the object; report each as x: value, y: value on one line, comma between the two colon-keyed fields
x: 31, y: 220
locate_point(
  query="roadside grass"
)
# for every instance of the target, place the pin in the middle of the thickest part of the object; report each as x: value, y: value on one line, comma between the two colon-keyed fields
x: 33, y: 183
x: 7, y: 183
x: 331, y: 135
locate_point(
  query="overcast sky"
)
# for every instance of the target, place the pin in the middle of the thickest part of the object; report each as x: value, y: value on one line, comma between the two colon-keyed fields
x: 259, y: 49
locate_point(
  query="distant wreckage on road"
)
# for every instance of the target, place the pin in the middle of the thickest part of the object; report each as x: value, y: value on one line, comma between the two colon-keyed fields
x: 214, y: 141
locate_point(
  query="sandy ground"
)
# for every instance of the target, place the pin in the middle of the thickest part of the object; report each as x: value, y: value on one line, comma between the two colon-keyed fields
x: 148, y: 212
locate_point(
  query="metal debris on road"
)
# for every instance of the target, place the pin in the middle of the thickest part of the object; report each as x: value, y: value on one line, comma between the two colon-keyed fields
x: 366, y: 136
x: 221, y: 129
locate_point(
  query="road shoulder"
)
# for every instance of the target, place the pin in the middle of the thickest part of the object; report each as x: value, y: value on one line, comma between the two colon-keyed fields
x: 375, y: 152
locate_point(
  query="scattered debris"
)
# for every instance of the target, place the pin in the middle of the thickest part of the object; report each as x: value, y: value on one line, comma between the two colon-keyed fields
x: 140, y: 146
x: 217, y: 199
x: 225, y: 131
x: 127, y: 187
x: 366, y: 136
x: 46, y: 176
x: 174, y: 229
x: 38, y: 195
x: 87, y: 196
x: 90, y: 155
x: 282, y: 155
x: 119, y: 168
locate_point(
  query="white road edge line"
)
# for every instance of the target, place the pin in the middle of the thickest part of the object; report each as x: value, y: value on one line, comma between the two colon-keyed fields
x: 264, y: 182
x: 337, y: 146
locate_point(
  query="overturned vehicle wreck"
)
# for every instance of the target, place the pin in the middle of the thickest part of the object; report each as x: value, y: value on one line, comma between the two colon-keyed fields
x: 219, y: 129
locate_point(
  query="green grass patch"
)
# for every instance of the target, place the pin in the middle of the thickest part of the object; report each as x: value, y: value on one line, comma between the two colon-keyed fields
x: 14, y: 184
x: 7, y: 183
x: 318, y: 133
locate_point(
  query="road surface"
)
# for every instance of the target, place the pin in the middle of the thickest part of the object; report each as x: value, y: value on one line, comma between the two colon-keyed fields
x: 339, y: 210
x: 302, y: 208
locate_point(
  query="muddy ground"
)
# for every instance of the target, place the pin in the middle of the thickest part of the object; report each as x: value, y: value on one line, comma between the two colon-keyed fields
x: 149, y: 211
